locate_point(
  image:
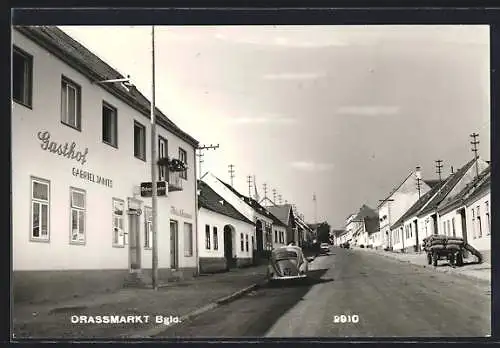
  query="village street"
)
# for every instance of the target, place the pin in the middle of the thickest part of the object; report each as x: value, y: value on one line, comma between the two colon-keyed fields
x: 389, y: 298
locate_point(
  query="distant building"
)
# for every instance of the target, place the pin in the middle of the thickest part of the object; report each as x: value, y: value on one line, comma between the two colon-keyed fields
x: 286, y: 215
x: 224, y: 234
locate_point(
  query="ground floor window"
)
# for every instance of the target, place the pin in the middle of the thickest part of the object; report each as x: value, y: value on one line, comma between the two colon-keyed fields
x: 207, y: 237
x: 78, y: 212
x: 188, y: 239
x: 246, y: 242
x: 118, y: 222
x: 40, y: 209
x: 216, y: 239
x: 242, y: 242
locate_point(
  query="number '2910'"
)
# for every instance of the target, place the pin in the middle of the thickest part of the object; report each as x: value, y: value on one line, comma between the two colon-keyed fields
x: 343, y: 319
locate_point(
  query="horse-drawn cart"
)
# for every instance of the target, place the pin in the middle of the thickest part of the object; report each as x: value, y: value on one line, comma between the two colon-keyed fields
x: 453, y: 249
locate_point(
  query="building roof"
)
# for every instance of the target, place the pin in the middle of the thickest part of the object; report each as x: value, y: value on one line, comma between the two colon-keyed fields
x: 282, y: 212
x: 470, y: 191
x: 419, y: 204
x: 87, y: 63
x: 432, y: 183
x: 365, y: 212
x: 445, y: 188
x: 394, y: 190
x: 254, y: 205
x: 210, y: 200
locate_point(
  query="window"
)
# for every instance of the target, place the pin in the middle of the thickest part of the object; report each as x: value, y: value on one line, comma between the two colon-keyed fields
x: 453, y: 227
x: 188, y: 239
x: 148, y: 230
x: 275, y: 236
x: 139, y: 141
x: 162, y: 153
x: 207, y: 237
x: 109, y: 125
x: 77, y: 216
x: 241, y: 241
x: 444, y: 227
x: 118, y: 218
x: 183, y: 158
x: 40, y: 209
x: 480, y: 229
x: 22, y: 77
x: 246, y: 242
x: 216, y: 239
x: 449, y: 229
x: 253, y: 242
x: 488, y: 221
x: 71, y: 104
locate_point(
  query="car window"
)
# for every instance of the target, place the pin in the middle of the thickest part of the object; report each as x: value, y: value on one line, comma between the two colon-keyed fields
x: 284, y: 254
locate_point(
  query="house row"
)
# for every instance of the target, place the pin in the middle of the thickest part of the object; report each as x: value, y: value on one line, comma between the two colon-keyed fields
x: 81, y: 149
x: 458, y: 205
x: 361, y: 229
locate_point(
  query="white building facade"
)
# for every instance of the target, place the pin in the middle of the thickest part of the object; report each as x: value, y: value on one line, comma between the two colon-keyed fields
x: 80, y: 152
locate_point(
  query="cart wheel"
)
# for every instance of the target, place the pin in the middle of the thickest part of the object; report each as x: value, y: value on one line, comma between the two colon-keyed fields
x: 429, y: 258
x: 459, y: 260
x: 434, y: 260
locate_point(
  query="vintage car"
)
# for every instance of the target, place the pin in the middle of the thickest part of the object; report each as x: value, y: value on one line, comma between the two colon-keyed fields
x: 324, y: 248
x: 287, y: 262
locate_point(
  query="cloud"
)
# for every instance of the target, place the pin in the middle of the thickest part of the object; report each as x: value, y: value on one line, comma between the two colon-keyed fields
x: 262, y: 120
x: 374, y: 110
x: 312, y: 166
x: 293, y: 76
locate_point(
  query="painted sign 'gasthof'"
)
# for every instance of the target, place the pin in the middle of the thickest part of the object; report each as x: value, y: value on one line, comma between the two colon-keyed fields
x: 67, y: 150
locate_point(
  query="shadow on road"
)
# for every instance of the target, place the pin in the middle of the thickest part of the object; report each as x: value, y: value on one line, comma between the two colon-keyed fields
x: 313, y: 277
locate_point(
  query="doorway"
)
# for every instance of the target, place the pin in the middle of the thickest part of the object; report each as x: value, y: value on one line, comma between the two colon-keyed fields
x: 434, y: 224
x: 174, y: 243
x: 228, y: 246
x: 134, y: 241
x: 464, y: 224
x: 259, y: 236
x: 417, y: 242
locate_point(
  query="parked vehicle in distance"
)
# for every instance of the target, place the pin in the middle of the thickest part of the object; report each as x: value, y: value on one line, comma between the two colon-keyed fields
x: 345, y: 245
x: 287, y: 262
x: 324, y: 248
x: 362, y: 246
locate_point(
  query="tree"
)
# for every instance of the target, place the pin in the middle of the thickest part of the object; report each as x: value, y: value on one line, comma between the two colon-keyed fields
x: 323, y: 231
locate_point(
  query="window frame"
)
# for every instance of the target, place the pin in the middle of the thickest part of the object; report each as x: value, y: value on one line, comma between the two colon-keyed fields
x: 40, y: 202
x: 183, y: 174
x: 207, y: 237
x: 123, y: 229
x: 143, y: 141
x: 487, y: 213
x: 162, y: 171
x: 478, y: 217
x: 27, y: 81
x: 65, y: 83
x: 114, y: 112
x: 190, y: 243
x: 242, y: 243
x: 246, y: 242
x: 79, y: 210
x: 215, y: 236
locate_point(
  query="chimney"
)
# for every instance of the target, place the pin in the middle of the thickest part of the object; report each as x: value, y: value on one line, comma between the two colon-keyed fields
x: 451, y: 169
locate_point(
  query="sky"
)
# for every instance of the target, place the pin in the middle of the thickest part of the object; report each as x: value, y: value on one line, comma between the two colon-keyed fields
x: 346, y: 112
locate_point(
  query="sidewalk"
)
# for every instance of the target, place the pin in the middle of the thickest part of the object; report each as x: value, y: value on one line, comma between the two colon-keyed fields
x: 480, y: 271
x: 177, y: 300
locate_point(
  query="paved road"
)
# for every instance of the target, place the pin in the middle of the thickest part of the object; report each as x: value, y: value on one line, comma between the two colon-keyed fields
x: 391, y: 299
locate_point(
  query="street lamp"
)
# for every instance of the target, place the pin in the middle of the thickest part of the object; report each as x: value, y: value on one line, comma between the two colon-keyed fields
x: 418, y: 175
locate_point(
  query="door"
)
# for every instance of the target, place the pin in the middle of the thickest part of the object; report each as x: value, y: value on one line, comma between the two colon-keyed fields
x: 134, y: 242
x: 464, y: 224
x: 228, y: 246
x: 174, y: 244
x: 417, y: 241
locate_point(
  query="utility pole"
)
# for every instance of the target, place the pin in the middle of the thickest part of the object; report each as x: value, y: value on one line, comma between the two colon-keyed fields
x: 438, y: 168
x: 315, y: 209
x: 279, y: 199
x: 249, y: 181
x: 154, y: 198
x: 474, y: 143
x: 265, y: 189
x: 418, y: 176
x: 274, y: 196
x: 200, y: 153
x: 231, y: 173
x: 286, y: 201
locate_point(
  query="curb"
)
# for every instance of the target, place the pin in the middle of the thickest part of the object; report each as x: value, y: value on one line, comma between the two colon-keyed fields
x: 151, y: 332
x: 449, y: 271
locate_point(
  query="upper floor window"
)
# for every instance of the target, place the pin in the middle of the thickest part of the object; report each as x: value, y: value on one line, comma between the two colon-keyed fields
x: 162, y: 153
x: 183, y: 158
x: 22, y: 77
x: 109, y: 125
x: 139, y: 141
x: 71, y: 103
